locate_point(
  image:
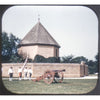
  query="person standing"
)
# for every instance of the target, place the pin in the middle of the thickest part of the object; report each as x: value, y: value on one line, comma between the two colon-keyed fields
x: 10, y: 72
x: 25, y: 73
x: 20, y: 73
x: 30, y: 73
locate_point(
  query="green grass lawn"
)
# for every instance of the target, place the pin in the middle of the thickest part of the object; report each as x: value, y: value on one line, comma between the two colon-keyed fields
x: 68, y: 86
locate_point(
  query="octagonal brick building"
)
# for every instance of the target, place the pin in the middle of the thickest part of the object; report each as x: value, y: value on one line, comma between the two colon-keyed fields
x: 38, y: 41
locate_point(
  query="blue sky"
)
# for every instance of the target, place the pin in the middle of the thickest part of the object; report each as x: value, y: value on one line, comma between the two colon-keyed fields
x: 75, y: 28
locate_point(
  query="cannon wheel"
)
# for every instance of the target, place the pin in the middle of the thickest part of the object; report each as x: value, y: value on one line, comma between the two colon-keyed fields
x: 48, y: 77
x: 58, y: 77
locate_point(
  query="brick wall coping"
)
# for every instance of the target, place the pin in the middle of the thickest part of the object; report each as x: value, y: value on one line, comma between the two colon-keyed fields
x: 41, y: 64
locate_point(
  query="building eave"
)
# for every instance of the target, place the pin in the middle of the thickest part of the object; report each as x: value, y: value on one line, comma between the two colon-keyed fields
x: 32, y: 44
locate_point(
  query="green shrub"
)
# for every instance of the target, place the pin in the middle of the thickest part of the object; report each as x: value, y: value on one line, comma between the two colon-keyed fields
x: 41, y: 59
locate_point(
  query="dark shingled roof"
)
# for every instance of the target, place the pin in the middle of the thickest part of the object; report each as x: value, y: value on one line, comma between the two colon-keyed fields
x: 38, y: 35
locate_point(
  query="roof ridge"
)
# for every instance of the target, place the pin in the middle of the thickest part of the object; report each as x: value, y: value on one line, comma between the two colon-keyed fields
x: 49, y: 34
x: 37, y: 30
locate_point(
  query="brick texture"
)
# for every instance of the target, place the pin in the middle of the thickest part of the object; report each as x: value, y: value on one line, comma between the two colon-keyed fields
x: 32, y: 51
x: 72, y: 70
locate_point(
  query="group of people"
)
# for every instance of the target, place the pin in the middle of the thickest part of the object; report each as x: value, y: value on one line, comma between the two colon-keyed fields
x: 27, y: 72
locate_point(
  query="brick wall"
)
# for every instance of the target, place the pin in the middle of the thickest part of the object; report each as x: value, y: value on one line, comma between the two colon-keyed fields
x: 86, y: 70
x: 32, y: 51
x: 46, y: 51
x: 72, y: 70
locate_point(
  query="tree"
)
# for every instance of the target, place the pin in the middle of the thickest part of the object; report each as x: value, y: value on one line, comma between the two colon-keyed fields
x: 67, y: 59
x: 5, y: 44
x: 97, y: 62
x: 6, y: 50
x: 72, y: 59
x: 9, y: 48
x: 14, y: 41
x: 79, y: 59
x: 93, y: 65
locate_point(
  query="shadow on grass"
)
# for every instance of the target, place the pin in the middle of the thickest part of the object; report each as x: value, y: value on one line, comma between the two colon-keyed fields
x: 60, y: 83
x: 52, y: 82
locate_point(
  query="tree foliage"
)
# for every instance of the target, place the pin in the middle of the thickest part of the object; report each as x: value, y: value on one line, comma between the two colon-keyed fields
x: 9, y: 48
x: 67, y: 59
x: 41, y: 59
x: 92, y: 65
x: 72, y: 59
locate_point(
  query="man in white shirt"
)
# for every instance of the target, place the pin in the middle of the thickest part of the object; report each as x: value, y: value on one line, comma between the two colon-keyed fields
x: 30, y: 73
x: 20, y: 73
x: 25, y: 73
x: 10, y: 72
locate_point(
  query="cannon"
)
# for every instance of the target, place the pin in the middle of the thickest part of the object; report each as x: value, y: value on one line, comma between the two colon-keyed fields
x: 51, y: 75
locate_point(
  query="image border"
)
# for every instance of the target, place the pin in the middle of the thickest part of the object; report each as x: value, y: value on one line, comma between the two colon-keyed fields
x: 94, y: 8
